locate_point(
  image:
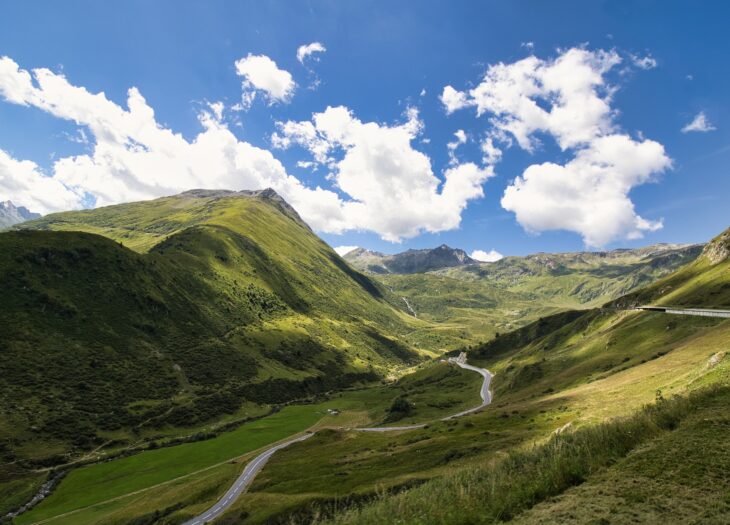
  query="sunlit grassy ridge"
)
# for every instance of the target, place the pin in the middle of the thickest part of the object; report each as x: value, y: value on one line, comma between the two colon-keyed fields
x: 703, y: 283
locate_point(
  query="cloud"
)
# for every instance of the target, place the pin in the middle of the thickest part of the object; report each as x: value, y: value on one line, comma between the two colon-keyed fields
x: 262, y: 75
x: 391, y: 187
x: 135, y: 158
x: 491, y: 154
x: 566, y: 98
x: 217, y: 109
x: 303, y: 52
x: 460, y: 136
x: 453, y: 100
x: 344, y: 250
x: 589, y: 194
x: 22, y: 182
x: 482, y: 256
x: 699, y: 124
x: 645, y: 62
x: 384, y: 185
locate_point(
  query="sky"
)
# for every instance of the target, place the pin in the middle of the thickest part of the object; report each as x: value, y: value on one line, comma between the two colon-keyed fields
x: 502, y: 128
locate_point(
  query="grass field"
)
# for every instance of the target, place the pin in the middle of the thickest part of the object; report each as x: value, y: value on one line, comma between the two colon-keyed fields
x: 103, y: 481
x: 679, y: 477
x: 113, y: 488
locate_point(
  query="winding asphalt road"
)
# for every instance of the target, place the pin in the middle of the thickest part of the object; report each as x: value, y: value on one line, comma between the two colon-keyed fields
x: 485, y: 394
x: 255, y: 466
x: 242, y: 483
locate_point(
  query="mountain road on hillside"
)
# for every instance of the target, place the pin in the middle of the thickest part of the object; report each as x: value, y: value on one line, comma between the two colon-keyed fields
x: 255, y: 466
x: 242, y: 483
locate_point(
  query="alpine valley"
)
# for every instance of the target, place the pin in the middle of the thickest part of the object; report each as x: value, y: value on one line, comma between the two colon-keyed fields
x: 149, y: 350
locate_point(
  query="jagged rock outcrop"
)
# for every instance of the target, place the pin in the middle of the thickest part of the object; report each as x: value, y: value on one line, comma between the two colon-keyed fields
x: 11, y: 214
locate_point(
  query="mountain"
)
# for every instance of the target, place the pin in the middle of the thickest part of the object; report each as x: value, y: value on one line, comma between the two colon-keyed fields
x: 702, y: 283
x: 411, y: 261
x: 475, y: 301
x: 125, y: 320
x: 568, y: 387
x: 600, y: 415
x: 10, y: 214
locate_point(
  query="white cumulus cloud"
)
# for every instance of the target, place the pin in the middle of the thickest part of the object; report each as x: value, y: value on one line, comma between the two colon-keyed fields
x: 453, y: 100
x: 391, y: 187
x: 384, y: 185
x: 699, y: 124
x: 135, y: 158
x: 262, y: 75
x: 344, y: 250
x: 483, y: 256
x: 569, y: 99
x: 305, y: 51
x: 589, y: 194
x: 22, y: 182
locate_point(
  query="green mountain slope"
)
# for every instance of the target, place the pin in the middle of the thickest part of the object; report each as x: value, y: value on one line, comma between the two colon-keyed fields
x: 563, y: 374
x: 570, y: 374
x: 473, y: 302
x: 704, y: 283
x: 176, y: 313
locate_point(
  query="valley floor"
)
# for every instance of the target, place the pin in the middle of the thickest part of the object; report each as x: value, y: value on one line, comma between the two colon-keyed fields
x: 439, y: 473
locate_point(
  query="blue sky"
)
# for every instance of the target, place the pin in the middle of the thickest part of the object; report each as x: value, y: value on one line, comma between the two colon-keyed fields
x: 387, y: 63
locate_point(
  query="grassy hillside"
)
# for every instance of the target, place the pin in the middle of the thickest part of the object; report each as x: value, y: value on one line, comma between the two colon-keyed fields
x: 560, y: 374
x: 307, y: 322
x: 704, y: 283
x: 566, y: 375
x: 173, y: 314
x: 665, y: 477
x: 125, y: 488
x: 473, y: 302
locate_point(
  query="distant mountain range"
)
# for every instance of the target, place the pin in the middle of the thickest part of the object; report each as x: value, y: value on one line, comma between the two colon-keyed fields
x: 472, y: 300
x: 411, y: 261
x: 11, y: 214
x: 443, y: 257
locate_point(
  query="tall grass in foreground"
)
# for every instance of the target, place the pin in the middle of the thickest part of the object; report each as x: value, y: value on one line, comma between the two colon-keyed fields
x: 500, y: 490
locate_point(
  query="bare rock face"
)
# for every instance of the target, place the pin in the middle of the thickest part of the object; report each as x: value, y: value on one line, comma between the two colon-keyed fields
x: 718, y: 249
x: 11, y: 214
x: 411, y: 261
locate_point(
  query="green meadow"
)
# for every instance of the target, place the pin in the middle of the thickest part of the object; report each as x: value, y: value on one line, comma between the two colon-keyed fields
x: 435, y: 391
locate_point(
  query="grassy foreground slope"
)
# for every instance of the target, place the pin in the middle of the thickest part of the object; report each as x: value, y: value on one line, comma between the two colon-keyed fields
x: 173, y: 314
x: 638, y: 469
